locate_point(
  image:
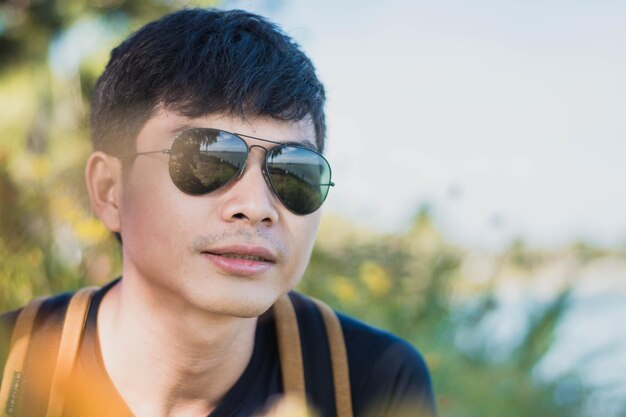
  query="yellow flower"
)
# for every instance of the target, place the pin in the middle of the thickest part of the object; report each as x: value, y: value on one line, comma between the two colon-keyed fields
x: 41, y: 167
x: 343, y: 288
x: 90, y: 230
x: 375, y: 279
x: 432, y: 359
x: 35, y: 257
x: 66, y: 209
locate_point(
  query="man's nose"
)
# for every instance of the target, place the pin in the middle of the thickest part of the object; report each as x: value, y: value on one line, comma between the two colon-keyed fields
x: 249, y: 197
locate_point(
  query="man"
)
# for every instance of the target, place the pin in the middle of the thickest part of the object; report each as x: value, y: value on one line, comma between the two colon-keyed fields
x: 207, y: 129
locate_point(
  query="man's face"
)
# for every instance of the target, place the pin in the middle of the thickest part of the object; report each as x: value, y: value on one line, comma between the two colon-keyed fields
x: 188, y: 249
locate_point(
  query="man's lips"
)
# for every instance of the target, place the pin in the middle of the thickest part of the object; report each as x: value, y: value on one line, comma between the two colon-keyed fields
x: 241, y: 260
x: 248, y: 253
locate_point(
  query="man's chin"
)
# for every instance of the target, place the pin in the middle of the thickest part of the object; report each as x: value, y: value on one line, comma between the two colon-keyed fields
x: 232, y: 296
x: 247, y: 311
x: 238, y: 305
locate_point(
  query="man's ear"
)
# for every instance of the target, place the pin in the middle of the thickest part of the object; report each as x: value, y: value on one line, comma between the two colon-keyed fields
x: 103, y: 176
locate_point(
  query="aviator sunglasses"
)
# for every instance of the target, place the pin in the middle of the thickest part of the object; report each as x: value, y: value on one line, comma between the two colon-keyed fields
x: 203, y: 160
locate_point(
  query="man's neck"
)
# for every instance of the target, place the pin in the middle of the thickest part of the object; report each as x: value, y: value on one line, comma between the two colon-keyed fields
x: 182, y: 358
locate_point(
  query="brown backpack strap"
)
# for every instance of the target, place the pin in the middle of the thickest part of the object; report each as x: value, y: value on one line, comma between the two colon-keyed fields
x: 73, y: 327
x: 339, y: 359
x: 290, y: 352
x: 71, y: 335
x: 13, y: 377
x: 289, y: 347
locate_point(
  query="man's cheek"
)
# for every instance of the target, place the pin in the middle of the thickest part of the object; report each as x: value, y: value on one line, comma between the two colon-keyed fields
x: 148, y: 223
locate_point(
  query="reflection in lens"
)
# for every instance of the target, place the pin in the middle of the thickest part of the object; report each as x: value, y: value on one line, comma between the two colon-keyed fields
x: 203, y: 160
x: 299, y: 176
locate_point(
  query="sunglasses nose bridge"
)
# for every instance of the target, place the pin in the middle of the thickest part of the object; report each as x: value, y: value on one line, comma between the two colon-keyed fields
x: 263, y: 166
x: 245, y: 164
x: 256, y: 146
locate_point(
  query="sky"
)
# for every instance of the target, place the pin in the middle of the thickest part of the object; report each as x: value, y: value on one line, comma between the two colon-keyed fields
x: 506, y: 118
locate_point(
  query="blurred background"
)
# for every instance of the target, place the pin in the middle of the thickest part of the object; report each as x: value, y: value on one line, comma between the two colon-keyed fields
x: 478, y: 152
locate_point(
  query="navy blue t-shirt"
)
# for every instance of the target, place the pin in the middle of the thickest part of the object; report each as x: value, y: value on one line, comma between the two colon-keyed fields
x: 388, y: 376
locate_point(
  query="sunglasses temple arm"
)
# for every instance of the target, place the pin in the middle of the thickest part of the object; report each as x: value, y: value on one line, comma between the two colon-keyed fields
x: 129, y: 155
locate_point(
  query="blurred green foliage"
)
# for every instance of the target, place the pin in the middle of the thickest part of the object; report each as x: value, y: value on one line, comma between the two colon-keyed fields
x: 413, y: 284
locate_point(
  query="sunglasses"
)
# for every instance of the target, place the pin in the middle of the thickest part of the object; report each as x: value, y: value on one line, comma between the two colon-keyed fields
x: 203, y: 160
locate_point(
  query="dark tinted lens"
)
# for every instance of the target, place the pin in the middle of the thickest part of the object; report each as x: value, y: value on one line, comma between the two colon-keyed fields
x: 203, y: 160
x: 299, y: 176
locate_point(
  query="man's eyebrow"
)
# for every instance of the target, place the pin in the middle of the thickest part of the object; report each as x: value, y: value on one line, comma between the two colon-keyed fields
x: 304, y: 142
x: 181, y: 129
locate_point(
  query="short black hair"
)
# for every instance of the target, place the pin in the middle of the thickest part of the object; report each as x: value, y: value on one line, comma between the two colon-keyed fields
x: 204, y: 61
